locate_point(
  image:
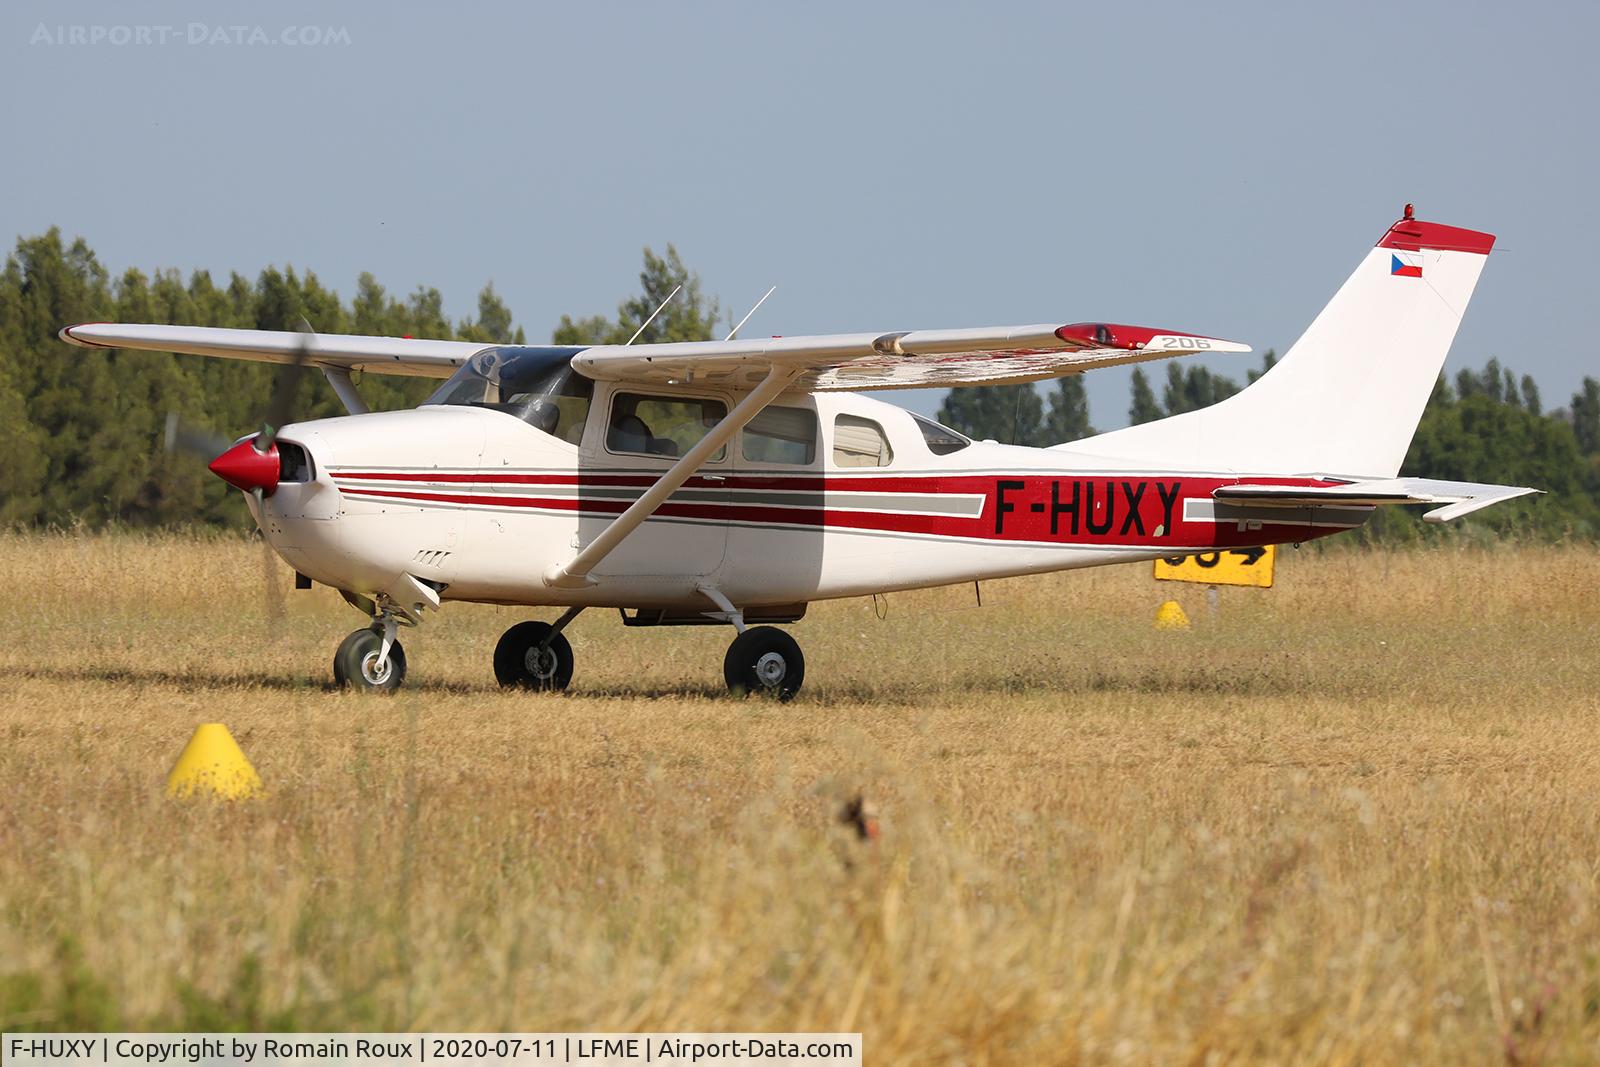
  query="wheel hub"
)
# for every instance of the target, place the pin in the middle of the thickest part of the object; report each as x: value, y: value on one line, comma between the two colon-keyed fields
x: 771, y: 668
x: 541, y: 662
x: 375, y: 671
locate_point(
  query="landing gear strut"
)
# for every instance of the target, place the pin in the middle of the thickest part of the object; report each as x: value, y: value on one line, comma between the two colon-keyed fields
x: 762, y: 660
x: 534, y: 655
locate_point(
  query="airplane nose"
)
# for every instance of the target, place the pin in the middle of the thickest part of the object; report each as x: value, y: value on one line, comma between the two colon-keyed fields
x: 244, y: 468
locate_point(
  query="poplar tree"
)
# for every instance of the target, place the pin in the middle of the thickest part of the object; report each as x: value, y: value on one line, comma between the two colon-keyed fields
x: 1068, y: 419
x: 1010, y: 414
x: 1142, y: 407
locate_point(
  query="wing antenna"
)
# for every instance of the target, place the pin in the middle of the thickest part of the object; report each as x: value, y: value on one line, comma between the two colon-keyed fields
x: 752, y: 311
x: 653, y: 314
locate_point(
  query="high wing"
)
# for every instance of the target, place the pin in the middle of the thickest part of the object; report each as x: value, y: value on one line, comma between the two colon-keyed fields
x: 378, y: 355
x: 828, y: 362
x: 1458, y: 498
x: 917, y: 359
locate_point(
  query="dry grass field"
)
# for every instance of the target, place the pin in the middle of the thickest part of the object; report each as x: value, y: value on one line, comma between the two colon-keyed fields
x: 1355, y: 819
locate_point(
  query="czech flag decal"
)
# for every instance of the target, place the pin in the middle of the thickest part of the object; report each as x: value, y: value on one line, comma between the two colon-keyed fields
x: 1399, y: 268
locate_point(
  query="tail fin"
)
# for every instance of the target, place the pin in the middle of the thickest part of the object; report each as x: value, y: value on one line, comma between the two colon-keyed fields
x: 1346, y: 399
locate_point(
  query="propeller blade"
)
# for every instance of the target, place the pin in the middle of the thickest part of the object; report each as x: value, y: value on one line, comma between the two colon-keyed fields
x: 195, y: 440
x: 277, y: 611
x: 283, y: 395
x: 285, y: 388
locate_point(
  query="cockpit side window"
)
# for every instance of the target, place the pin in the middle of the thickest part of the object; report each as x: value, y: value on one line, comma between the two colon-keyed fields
x: 536, y: 385
x: 561, y: 413
x: 662, y: 425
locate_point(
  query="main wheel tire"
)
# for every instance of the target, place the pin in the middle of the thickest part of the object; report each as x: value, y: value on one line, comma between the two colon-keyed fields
x: 520, y: 662
x: 764, y: 660
x: 355, y: 665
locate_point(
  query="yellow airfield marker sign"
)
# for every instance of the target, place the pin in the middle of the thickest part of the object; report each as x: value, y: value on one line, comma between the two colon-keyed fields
x: 212, y: 762
x: 1225, y: 566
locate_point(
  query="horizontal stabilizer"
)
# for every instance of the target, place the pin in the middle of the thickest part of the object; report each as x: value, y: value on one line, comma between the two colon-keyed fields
x: 1458, y: 498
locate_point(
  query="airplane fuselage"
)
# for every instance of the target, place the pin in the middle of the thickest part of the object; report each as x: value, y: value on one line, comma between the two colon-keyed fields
x: 478, y: 504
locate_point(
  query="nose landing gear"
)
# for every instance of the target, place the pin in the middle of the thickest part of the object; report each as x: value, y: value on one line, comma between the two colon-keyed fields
x: 362, y: 664
x: 371, y: 659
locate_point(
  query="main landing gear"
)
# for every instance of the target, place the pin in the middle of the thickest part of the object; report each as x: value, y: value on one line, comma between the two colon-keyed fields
x: 534, y: 655
x: 762, y: 659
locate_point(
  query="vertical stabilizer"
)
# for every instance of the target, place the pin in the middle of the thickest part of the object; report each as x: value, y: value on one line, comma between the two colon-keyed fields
x: 1346, y: 399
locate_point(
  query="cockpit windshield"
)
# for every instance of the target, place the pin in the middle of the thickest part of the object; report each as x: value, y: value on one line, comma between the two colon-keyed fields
x: 534, y: 384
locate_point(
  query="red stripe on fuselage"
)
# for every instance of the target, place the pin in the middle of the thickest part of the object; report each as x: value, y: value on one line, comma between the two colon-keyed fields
x: 1130, y: 511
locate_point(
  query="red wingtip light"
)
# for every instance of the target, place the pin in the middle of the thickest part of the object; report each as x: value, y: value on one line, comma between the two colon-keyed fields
x: 244, y: 468
x: 1106, y: 335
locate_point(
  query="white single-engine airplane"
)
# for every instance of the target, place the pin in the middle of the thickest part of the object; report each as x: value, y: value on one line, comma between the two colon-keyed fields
x: 735, y: 481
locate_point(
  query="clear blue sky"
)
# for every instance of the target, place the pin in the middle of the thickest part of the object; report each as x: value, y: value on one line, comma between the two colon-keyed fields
x: 1209, y: 167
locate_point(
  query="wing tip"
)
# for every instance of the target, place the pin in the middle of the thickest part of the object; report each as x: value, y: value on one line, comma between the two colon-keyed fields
x: 66, y: 334
x: 1140, y: 338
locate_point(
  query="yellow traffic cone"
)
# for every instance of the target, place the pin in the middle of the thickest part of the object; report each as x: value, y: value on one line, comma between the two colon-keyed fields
x: 1170, y: 616
x: 212, y: 762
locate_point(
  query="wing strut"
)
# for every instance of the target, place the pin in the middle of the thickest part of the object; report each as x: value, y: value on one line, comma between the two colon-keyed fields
x: 339, y: 378
x: 575, y: 573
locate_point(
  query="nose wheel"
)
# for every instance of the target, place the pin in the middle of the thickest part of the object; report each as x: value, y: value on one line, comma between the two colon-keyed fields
x: 360, y: 663
x: 764, y: 660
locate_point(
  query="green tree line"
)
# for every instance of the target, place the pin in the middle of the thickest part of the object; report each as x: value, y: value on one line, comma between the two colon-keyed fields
x: 82, y: 430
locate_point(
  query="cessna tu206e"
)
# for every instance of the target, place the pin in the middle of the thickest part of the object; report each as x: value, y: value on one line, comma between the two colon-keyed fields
x: 735, y: 481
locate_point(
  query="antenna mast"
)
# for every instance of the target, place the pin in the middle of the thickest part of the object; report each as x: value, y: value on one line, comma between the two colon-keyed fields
x: 653, y: 315
x: 752, y: 311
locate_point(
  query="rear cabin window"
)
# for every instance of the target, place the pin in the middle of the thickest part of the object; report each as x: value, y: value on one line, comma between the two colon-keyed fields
x: 661, y: 425
x: 941, y: 440
x: 781, y: 435
x: 859, y: 442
